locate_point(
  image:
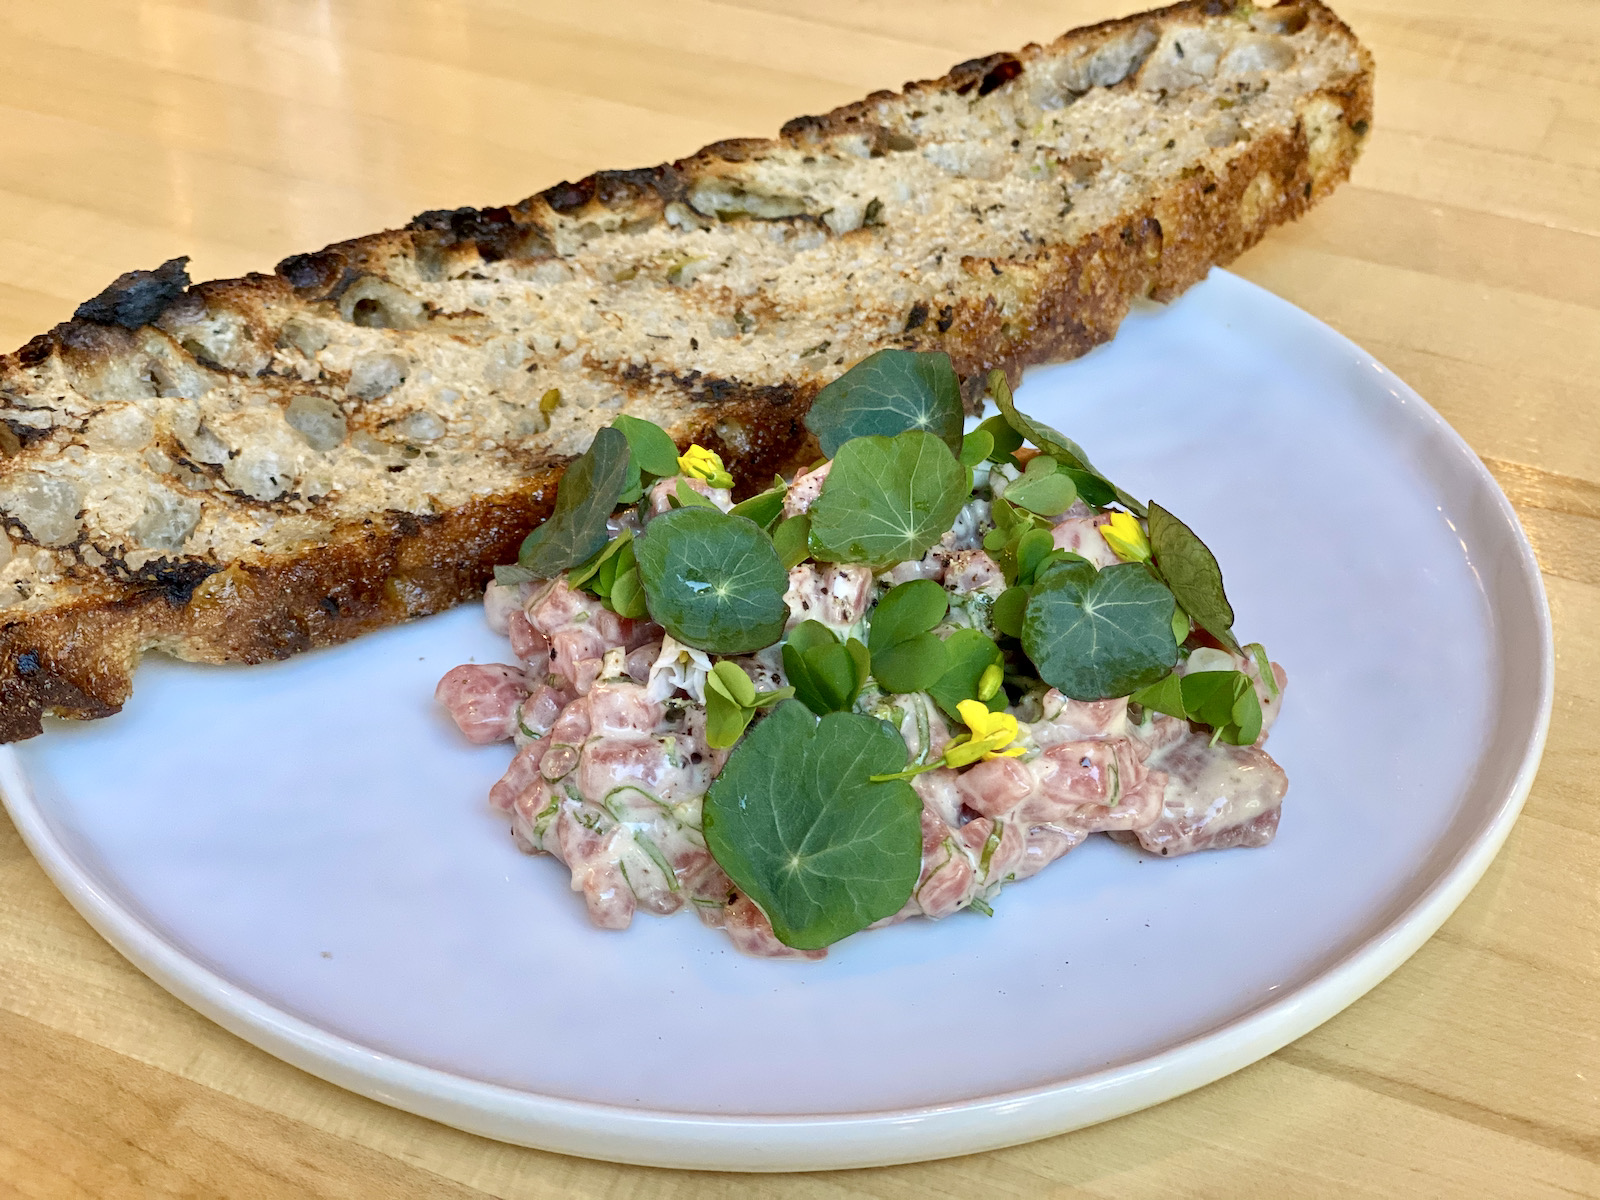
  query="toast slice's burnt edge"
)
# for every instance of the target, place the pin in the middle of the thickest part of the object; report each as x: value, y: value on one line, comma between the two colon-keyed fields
x: 77, y: 660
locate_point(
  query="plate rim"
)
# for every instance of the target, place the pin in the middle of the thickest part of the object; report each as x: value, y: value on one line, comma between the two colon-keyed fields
x: 711, y: 1141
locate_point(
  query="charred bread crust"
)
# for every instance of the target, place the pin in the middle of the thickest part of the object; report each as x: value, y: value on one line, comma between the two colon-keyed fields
x: 1043, y: 300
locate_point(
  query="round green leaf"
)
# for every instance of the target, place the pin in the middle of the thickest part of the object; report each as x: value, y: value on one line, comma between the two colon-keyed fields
x: 1098, y: 634
x: 887, y: 500
x: 887, y: 393
x: 799, y: 827
x: 712, y: 580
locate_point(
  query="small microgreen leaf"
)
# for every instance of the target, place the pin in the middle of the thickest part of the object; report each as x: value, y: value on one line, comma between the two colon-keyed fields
x: 1031, y: 551
x: 687, y: 497
x: 1007, y: 441
x: 627, y: 595
x: 1191, y: 571
x: 969, y: 654
x: 1060, y: 447
x: 1264, y: 665
x: 1092, y: 490
x: 1098, y: 634
x: 1165, y: 695
x: 1224, y: 700
x: 764, y: 507
x: 887, y: 499
x: 905, y: 611
x: 792, y: 538
x: 650, y: 445
x: 583, y: 573
x: 798, y: 825
x: 887, y: 393
x: 1180, y: 625
x: 576, y: 528
x: 731, y: 701
x: 976, y: 447
x: 913, y: 665
x: 1007, y: 612
x: 826, y: 676
x: 712, y: 580
x: 735, y: 683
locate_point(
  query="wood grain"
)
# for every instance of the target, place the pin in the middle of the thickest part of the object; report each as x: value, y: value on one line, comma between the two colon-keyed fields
x: 1465, y: 254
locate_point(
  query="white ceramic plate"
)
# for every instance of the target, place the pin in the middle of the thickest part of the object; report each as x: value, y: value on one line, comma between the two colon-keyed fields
x: 302, y: 851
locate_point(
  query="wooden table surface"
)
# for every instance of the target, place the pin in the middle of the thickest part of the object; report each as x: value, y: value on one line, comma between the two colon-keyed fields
x: 1465, y: 254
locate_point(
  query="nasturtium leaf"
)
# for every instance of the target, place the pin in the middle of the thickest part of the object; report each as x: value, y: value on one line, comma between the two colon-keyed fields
x: 1098, y: 634
x: 913, y: 665
x: 1007, y: 441
x: 906, y: 610
x: 1006, y: 614
x: 712, y: 580
x: 576, y: 528
x: 792, y: 539
x: 887, y: 393
x: 887, y: 499
x: 652, y: 449
x: 1058, y: 445
x: 763, y: 508
x: 797, y: 824
x: 976, y: 447
x: 1191, y: 571
x: 968, y: 655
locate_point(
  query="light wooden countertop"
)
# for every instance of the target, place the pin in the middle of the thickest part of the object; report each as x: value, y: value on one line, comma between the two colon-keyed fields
x: 1465, y: 254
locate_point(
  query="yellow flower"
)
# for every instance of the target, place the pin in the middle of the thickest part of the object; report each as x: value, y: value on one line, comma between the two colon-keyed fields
x: 699, y: 463
x: 992, y: 735
x: 1126, y: 537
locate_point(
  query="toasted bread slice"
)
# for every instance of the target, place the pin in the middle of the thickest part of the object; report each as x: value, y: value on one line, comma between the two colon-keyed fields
x: 240, y: 470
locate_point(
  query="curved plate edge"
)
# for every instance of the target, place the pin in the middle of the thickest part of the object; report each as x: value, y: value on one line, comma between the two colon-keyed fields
x: 807, y: 1143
